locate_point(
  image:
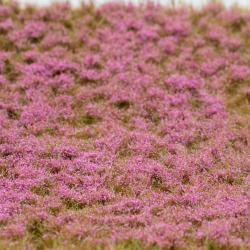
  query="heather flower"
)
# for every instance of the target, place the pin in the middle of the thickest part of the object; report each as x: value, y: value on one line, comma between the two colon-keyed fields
x: 181, y: 82
x: 55, y: 39
x: 211, y: 68
x: 36, y: 113
x: 217, y: 230
x: 34, y: 30
x: 163, y: 233
x: 179, y: 27
x: 232, y: 43
x: 14, y: 231
x: 63, y: 81
x: 3, y: 80
x: 91, y: 75
x: 91, y: 61
x: 246, y: 92
x: 6, y: 25
x: 216, y: 34
x: 4, y: 11
x: 149, y: 34
x: 239, y: 72
x: 168, y: 44
x: 124, y: 125
x: 31, y: 56
x: 69, y: 152
x: 128, y: 206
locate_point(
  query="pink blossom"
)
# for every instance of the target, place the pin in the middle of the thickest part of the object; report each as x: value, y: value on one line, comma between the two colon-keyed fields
x: 124, y: 126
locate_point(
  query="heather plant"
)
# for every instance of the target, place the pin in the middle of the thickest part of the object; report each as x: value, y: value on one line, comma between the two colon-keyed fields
x: 124, y: 127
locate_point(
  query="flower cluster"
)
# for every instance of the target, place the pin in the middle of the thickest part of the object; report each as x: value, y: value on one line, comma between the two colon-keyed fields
x: 124, y: 124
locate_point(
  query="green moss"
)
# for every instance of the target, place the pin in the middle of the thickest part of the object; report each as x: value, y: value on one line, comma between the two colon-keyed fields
x: 68, y: 24
x: 156, y: 182
x: 9, y: 71
x: 153, y: 116
x: 36, y: 229
x: 47, y: 131
x: 211, y: 245
x: 134, y: 245
x: 43, y: 189
x: 124, y: 151
x: 120, y: 189
x: 87, y: 120
x: 195, y: 103
x: 5, y: 44
x: 54, y: 211
x: 99, y: 98
x: 13, y: 114
x: 73, y: 205
x: 129, y: 245
x: 194, y: 144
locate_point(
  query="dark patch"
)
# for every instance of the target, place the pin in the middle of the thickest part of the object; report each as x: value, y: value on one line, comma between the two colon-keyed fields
x: 3, y: 171
x: 12, y: 114
x: 5, y: 44
x: 9, y: 71
x: 156, y: 181
x: 196, y: 103
x: 42, y: 190
x: 88, y: 120
x: 47, y: 131
x: 73, y: 205
x: 185, y: 179
x: 54, y: 211
x: 122, y: 105
x: 124, y: 150
x: 36, y: 229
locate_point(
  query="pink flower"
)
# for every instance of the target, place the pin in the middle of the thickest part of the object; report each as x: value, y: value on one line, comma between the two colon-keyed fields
x: 239, y: 72
x: 181, y: 82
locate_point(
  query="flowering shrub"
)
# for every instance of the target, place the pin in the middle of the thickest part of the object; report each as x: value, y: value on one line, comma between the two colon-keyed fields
x: 124, y: 127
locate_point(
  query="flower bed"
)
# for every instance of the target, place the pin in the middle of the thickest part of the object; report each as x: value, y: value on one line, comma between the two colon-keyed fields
x: 124, y: 127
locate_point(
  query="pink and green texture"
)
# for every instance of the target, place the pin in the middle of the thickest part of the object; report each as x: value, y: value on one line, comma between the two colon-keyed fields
x: 124, y: 127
